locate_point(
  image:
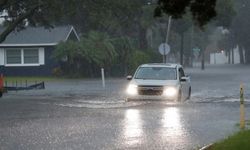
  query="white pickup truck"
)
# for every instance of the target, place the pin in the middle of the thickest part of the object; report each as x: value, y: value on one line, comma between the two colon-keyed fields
x: 159, y: 81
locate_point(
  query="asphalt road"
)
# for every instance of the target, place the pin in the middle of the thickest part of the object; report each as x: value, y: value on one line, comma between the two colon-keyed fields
x: 79, y: 114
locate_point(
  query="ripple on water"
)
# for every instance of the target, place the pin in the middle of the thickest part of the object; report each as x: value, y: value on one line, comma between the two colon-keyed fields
x: 101, y: 104
x: 216, y: 98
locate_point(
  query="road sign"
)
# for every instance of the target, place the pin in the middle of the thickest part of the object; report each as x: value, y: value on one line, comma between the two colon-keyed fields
x: 196, y: 50
x: 164, y: 49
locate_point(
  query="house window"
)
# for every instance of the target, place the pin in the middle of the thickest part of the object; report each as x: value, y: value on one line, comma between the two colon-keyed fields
x: 30, y: 56
x: 24, y: 56
x: 13, y: 56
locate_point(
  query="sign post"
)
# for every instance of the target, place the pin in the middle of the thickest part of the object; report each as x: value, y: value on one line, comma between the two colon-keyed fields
x: 164, y: 49
x: 165, y: 52
x: 103, y: 77
x: 196, y: 53
x: 242, y: 108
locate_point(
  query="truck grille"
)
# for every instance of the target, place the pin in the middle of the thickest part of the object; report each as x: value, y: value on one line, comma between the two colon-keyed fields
x: 150, y: 90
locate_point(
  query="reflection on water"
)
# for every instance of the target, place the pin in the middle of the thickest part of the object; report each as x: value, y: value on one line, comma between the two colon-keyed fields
x: 171, y: 118
x: 132, y: 127
x: 172, y: 129
x: 165, y: 127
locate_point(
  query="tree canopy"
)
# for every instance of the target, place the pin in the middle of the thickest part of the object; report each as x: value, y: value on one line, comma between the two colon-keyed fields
x: 33, y: 12
x: 202, y: 10
x: 114, y: 33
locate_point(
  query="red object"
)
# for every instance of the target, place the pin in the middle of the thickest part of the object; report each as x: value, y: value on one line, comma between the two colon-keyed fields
x: 1, y: 82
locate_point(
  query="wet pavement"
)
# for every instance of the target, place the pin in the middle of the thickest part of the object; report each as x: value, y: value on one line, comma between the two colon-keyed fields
x: 80, y: 114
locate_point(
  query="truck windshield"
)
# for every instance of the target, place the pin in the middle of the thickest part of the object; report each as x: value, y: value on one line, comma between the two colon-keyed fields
x: 156, y: 73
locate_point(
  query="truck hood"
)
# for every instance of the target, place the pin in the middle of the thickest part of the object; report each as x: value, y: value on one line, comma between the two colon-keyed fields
x: 155, y: 82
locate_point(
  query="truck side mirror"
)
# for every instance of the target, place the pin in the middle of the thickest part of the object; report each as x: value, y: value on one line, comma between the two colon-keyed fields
x: 183, y: 79
x: 129, y: 77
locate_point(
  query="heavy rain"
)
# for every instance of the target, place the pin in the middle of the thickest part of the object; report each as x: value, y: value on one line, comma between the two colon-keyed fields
x: 113, y: 74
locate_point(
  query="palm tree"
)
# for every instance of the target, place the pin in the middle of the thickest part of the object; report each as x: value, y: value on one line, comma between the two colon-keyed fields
x: 124, y: 47
x: 99, y: 48
x: 70, y: 55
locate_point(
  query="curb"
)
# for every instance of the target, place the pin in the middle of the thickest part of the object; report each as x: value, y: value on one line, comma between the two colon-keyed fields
x: 206, y: 147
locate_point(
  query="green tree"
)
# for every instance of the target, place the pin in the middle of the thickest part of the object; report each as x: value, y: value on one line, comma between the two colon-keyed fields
x: 181, y: 26
x: 138, y: 58
x: 239, y: 30
x: 35, y: 12
x: 71, y: 56
x: 115, y: 17
x: 99, y: 48
x: 225, y: 13
x: 206, y: 14
x: 202, y: 10
x: 125, y: 47
x: 86, y: 57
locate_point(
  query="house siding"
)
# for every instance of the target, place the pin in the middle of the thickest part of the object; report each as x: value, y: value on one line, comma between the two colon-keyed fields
x: 42, y: 70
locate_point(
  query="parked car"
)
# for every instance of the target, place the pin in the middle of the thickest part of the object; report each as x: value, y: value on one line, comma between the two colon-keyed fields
x: 159, y: 81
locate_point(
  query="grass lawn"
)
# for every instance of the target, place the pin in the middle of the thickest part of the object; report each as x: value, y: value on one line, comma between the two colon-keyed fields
x: 239, y: 141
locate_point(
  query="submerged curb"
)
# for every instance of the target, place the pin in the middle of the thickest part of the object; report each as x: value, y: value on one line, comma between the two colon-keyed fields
x: 206, y: 147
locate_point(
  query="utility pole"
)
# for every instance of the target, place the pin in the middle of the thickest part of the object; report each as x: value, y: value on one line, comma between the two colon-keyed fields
x: 181, y: 51
x: 191, y: 45
x: 167, y: 37
x: 203, y: 59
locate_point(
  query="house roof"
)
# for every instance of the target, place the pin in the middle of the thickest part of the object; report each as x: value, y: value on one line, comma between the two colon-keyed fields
x: 39, y: 36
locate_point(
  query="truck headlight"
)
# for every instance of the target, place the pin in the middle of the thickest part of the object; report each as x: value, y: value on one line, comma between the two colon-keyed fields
x: 170, y: 91
x: 132, y: 89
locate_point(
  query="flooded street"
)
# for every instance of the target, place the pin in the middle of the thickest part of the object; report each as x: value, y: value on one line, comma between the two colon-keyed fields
x: 80, y: 114
x: 74, y: 74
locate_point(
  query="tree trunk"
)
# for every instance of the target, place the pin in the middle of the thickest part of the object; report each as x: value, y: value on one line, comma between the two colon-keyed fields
x: 247, y: 55
x: 125, y: 66
x: 232, y: 56
x: 241, y: 55
x: 181, y: 51
x: 187, y: 61
x: 229, y: 57
x: 126, y: 70
x: 191, y: 58
x: 188, y: 57
x: 142, y: 38
x: 203, y: 60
